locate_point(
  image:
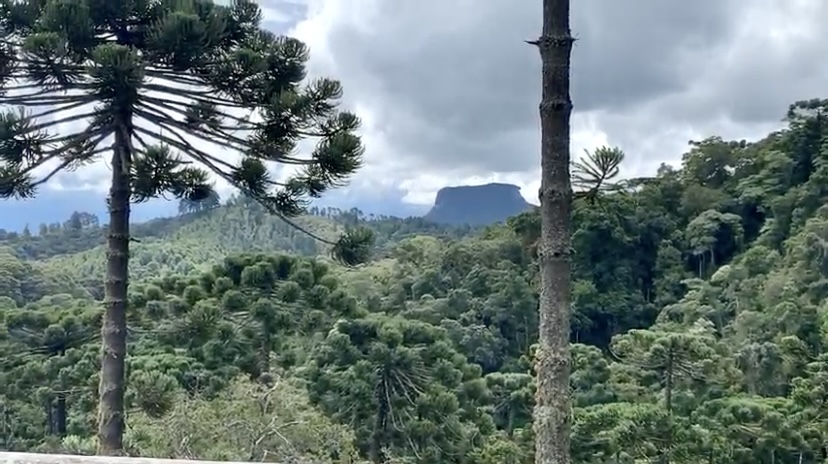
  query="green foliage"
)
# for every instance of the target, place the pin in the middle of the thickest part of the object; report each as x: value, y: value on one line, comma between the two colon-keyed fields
x: 246, y: 422
x: 699, y: 327
x: 402, y: 387
x: 196, y: 73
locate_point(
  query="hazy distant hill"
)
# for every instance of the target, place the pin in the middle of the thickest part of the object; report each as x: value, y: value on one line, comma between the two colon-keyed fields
x: 184, y: 243
x: 477, y: 205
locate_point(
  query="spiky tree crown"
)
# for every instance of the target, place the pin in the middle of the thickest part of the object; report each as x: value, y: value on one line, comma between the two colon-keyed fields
x: 186, y: 82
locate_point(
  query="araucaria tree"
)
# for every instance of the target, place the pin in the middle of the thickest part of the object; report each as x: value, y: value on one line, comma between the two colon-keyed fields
x: 552, y: 365
x: 166, y: 91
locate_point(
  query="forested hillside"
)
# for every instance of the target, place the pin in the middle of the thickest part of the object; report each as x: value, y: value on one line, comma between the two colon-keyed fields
x: 699, y: 327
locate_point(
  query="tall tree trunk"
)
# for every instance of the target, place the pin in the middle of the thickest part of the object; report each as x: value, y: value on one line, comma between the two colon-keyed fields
x: 666, y: 454
x: 380, y: 430
x: 48, y: 406
x: 552, y: 364
x: 113, y: 331
x: 264, y: 353
x: 60, y: 413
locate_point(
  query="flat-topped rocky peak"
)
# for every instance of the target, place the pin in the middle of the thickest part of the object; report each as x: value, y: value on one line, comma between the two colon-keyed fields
x: 477, y: 204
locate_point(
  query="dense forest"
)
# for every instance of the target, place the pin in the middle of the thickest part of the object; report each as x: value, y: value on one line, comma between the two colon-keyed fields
x: 699, y: 326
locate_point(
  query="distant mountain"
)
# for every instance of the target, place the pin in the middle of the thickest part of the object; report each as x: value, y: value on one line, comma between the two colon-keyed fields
x: 461, y: 205
x: 477, y: 205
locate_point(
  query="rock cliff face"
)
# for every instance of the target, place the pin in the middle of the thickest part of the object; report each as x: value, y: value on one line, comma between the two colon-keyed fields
x: 477, y: 205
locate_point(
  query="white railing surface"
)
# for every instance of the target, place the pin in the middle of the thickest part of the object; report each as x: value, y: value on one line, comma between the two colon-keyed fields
x: 33, y: 458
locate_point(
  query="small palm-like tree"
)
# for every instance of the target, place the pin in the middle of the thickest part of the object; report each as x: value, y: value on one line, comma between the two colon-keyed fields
x: 595, y: 173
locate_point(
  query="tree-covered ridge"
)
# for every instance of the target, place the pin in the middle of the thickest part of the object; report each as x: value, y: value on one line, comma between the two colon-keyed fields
x: 24, y: 281
x: 237, y: 225
x: 699, y: 332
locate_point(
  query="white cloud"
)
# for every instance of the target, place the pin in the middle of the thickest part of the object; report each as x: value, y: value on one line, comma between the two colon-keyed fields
x: 448, y: 91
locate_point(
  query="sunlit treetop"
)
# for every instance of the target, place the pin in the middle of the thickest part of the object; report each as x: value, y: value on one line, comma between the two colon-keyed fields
x: 188, y: 87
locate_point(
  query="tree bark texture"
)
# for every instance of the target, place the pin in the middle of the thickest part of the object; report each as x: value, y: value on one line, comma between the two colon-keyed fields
x: 552, y: 415
x: 378, y: 434
x: 114, y: 331
x: 60, y: 413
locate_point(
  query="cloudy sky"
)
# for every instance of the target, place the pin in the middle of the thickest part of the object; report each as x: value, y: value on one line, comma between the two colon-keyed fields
x: 448, y: 90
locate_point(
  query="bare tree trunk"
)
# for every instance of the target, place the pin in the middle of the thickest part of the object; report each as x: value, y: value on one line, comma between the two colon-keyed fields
x: 48, y: 406
x: 113, y: 331
x: 552, y: 364
x: 378, y: 434
x: 666, y: 453
x: 60, y: 414
x: 264, y: 353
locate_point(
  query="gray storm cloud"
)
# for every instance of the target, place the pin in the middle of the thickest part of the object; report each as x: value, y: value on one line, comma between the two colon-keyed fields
x: 452, y: 90
x: 456, y: 88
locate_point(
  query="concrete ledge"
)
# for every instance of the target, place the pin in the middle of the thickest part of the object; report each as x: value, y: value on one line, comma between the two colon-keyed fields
x: 32, y: 458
